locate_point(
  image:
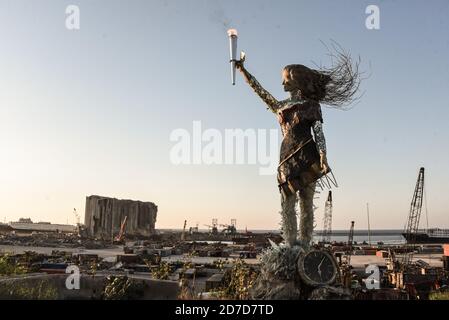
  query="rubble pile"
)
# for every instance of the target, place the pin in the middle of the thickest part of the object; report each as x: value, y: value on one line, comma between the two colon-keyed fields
x: 53, y: 240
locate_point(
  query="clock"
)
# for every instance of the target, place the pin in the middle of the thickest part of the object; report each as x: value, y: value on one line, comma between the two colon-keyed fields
x: 317, y: 267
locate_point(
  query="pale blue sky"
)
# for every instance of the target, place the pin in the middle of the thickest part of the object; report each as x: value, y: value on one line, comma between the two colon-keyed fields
x: 90, y: 111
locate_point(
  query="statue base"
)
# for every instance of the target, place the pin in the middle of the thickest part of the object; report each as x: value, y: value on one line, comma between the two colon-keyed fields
x: 279, y: 278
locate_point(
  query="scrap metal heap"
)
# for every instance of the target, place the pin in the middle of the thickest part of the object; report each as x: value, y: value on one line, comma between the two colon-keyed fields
x: 403, y: 277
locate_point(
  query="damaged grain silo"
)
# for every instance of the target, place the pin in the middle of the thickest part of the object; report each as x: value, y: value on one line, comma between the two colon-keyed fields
x: 104, y: 216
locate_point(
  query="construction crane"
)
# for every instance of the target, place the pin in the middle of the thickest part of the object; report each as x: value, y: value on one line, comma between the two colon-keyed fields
x: 351, y: 234
x: 121, y: 236
x: 77, y: 216
x: 183, y: 234
x: 193, y: 230
x: 212, y: 229
x: 229, y: 228
x: 350, y: 243
x: 369, y: 227
x: 327, y: 228
x: 412, y: 225
x: 214, y: 226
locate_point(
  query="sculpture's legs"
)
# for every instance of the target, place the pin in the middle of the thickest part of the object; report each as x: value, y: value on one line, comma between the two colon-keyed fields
x: 289, y: 221
x: 306, y: 216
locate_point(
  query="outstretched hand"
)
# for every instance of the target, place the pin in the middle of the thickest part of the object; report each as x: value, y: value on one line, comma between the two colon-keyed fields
x: 239, y: 64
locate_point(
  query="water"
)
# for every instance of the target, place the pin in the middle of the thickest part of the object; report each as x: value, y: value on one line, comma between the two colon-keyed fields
x: 386, y: 239
x: 392, y: 237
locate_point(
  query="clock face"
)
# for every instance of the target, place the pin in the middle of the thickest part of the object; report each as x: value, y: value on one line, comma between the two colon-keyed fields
x: 317, y: 267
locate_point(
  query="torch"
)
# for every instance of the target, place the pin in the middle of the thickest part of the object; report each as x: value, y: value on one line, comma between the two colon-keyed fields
x: 232, y: 33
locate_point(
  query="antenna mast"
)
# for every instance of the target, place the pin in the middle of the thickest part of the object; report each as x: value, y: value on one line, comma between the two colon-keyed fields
x: 369, y: 228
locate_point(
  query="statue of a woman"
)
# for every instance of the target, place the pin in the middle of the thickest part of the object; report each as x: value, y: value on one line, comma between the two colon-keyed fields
x: 303, y: 157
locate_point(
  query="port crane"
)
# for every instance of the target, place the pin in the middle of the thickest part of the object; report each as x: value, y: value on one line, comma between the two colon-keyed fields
x: 183, y: 234
x: 230, y: 228
x: 212, y: 228
x: 351, y: 234
x: 77, y: 216
x: 411, y: 228
x: 350, y: 242
x: 327, y: 228
x: 193, y: 230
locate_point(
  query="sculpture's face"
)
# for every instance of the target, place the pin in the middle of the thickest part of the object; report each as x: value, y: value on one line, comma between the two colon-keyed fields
x: 287, y: 81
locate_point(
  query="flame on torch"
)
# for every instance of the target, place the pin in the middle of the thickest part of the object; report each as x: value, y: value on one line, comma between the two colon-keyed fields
x: 232, y: 34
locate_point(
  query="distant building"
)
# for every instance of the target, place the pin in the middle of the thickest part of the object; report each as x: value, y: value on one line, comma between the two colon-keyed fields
x: 28, y: 226
x: 104, y: 216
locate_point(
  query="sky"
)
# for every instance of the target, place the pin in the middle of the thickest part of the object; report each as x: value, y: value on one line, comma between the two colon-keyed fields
x: 91, y: 111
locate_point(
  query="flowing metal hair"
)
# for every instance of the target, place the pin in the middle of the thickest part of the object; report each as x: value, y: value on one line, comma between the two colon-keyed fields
x: 344, y: 78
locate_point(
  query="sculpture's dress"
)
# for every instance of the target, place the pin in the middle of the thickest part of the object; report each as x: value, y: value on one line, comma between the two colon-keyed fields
x: 299, y: 164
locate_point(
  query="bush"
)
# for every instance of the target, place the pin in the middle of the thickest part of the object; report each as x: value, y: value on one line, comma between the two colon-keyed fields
x: 122, y: 288
x: 162, y: 272
x: 238, y: 281
x: 439, y: 295
x: 42, y: 291
x: 9, y: 267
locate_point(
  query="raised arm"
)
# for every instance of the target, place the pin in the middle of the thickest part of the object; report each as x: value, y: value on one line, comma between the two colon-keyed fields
x: 319, y: 136
x: 270, y: 101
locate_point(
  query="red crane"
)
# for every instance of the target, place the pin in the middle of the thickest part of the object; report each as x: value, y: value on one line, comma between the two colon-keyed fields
x: 121, y: 235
